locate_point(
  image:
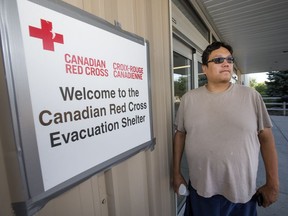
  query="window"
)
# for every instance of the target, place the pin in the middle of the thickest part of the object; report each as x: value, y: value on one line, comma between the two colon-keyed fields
x: 202, y: 79
x: 182, y: 77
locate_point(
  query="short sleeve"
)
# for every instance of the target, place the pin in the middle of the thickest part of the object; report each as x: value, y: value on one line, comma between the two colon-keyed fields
x: 263, y: 117
x: 179, y: 121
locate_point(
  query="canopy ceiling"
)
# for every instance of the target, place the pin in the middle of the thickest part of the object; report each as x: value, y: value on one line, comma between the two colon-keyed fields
x: 256, y: 29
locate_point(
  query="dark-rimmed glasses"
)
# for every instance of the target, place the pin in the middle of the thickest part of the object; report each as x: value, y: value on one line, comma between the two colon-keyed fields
x: 219, y: 60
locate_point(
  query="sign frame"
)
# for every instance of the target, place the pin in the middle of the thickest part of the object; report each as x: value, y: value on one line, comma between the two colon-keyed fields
x: 19, y: 95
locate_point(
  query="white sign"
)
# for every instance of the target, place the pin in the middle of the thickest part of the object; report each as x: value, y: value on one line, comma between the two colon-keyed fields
x: 89, y: 92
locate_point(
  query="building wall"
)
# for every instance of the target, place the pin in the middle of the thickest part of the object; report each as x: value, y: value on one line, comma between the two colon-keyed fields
x: 5, y: 134
x: 141, y: 184
x: 4, y: 192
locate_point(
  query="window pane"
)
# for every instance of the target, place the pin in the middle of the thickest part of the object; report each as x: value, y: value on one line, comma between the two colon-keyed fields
x: 182, y: 77
x: 202, y: 79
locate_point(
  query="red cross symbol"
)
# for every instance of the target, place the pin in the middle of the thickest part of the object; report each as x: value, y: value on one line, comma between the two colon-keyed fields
x: 45, y: 33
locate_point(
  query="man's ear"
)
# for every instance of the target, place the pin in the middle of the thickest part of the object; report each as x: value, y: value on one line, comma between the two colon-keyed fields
x: 204, y: 68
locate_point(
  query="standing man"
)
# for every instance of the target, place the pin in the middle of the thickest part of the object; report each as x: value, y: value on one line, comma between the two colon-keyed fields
x: 223, y: 127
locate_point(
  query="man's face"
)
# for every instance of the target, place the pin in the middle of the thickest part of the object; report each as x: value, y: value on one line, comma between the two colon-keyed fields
x: 219, y: 73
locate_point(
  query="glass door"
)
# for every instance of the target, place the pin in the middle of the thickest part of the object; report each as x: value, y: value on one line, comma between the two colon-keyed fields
x: 182, y: 82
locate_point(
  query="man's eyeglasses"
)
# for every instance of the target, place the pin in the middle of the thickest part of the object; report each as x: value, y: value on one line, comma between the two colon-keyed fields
x: 219, y: 60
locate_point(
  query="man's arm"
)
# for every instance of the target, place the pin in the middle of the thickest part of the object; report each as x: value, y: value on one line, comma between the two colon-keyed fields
x: 178, y: 148
x: 270, y: 190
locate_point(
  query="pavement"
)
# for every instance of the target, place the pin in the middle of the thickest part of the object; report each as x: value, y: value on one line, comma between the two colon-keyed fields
x: 280, y: 131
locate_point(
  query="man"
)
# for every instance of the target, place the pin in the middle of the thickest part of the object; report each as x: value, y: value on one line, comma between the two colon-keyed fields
x: 223, y: 127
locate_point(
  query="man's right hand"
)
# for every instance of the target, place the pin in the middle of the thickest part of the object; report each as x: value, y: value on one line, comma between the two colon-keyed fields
x: 178, y: 179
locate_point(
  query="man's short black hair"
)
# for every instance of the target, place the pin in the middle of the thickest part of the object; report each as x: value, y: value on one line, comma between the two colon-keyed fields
x: 214, y: 46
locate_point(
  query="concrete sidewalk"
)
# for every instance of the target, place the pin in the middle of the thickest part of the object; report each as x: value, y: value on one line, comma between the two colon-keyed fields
x: 280, y: 130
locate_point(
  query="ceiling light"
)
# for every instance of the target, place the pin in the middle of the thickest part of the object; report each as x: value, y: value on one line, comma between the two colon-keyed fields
x: 181, y: 67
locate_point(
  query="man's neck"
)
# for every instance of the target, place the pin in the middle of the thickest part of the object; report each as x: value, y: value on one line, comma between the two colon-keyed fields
x: 218, y: 87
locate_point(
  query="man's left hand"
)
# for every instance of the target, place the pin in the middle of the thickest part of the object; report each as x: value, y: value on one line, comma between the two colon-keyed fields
x: 269, y: 193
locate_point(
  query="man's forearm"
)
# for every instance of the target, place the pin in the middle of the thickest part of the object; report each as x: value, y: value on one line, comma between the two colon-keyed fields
x: 269, y: 155
x: 178, y: 148
x: 270, y: 190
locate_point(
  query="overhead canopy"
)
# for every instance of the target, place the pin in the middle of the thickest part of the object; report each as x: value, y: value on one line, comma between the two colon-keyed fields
x: 256, y: 29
